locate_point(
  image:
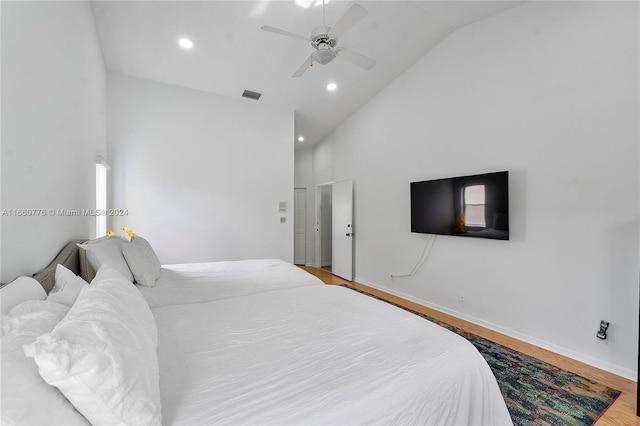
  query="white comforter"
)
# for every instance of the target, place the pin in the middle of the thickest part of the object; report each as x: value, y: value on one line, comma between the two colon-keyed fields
x: 204, y: 282
x: 314, y: 354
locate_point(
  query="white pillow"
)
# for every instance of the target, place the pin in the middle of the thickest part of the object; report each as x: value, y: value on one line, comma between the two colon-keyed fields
x: 32, y: 316
x: 26, y: 398
x: 67, y: 287
x: 19, y: 290
x: 102, y: 355
x: 142, y: 260
x: 5, y: 325
x: 107, y: 250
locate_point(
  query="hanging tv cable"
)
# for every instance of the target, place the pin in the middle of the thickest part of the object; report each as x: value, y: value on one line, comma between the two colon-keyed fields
x: 426, y: 251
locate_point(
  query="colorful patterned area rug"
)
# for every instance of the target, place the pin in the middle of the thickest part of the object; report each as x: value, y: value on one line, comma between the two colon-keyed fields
x: 536, y: 393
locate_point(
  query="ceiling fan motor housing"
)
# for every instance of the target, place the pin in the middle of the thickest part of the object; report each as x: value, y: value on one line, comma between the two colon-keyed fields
x: 322, y: 42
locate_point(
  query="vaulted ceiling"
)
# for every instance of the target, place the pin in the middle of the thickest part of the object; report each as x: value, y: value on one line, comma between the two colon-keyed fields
x: 231, y: 53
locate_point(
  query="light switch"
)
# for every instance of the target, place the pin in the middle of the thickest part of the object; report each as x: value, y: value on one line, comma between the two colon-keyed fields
x: 283, y: 219
x: 282, y: 206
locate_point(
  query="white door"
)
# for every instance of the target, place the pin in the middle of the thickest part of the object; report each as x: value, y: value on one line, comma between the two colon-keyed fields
x: 300, y: 226
x: 342, y: 226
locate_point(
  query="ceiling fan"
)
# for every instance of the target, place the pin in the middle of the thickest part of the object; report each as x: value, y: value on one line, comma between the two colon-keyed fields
x: 324, y: 40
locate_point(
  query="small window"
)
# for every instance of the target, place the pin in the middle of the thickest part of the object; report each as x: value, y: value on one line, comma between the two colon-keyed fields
x: 474, y: 206
x: 101, y: 196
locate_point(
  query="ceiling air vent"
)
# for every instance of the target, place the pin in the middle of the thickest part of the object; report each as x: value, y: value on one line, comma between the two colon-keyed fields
x: 251, y: 95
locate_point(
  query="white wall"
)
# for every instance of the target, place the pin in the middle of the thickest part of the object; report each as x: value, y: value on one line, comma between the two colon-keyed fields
x: 548, y: 91
x: 53, y: 126
x: 200, y: 174
x: 304, y: 179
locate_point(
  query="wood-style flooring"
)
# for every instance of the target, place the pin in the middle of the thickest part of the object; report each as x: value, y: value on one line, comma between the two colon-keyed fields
x: 621, y: 413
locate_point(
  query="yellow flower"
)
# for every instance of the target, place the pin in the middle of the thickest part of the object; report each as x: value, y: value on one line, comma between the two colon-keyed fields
x: 129, y: 232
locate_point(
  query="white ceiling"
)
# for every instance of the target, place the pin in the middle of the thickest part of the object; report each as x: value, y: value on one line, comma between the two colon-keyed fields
x: 231, y: 53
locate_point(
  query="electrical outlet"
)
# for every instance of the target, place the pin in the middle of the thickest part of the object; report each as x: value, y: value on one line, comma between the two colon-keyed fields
x: 461, y: 297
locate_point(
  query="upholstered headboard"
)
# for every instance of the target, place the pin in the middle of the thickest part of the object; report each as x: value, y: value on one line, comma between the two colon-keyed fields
x: 68, y: 257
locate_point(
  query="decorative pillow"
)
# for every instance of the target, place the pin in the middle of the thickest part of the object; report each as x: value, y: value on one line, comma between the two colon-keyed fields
x: 107, y: 250
x: 102, y: 355
x: 142, y: 261
x: 26, y: 398
x: 123, y: 234
x: 67, y: 287
x: 19, y: 290
x: 86, y: 271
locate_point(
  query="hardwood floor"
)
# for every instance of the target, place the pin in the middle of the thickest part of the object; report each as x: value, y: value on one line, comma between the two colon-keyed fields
x: 623, y: 410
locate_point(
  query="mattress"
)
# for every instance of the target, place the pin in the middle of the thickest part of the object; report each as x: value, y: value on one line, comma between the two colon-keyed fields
x: 203, y: 282
x: 312, y: 354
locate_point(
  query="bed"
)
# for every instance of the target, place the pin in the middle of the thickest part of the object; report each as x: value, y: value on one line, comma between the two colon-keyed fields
x: 264, y: 342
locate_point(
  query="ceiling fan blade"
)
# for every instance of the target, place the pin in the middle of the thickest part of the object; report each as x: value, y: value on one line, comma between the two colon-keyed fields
x: 306, y: 64
x: 355, y: 58
x: 348, y: 20
x: 283, y: 32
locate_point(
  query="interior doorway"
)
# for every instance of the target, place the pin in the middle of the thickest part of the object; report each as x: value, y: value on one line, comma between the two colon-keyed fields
x: 324, y: 228
x: 342, y: 225
x: 300, y: 226
x: 334, y: 228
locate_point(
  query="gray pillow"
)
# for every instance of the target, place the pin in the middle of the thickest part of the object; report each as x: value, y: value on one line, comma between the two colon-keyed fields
x: 107, y: 250
x: 86, y: 271
x: 142, y: 261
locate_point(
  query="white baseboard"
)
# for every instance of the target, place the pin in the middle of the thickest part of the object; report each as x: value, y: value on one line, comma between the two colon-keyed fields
x: 578, y: 356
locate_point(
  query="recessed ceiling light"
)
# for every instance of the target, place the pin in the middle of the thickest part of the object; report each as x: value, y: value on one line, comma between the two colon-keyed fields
x: 185, y: 43
x: 300, y: 138
x: 331, y: 87
x: 306, y: 4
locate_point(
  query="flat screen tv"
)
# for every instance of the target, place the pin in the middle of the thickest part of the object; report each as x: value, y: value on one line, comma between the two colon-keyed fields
x: 465, y: 206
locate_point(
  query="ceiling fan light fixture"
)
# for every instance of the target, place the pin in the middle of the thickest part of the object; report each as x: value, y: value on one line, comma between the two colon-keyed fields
x: 323, y: 56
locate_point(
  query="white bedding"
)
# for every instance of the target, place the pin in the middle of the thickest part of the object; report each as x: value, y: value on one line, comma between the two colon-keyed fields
x: 203, y: 282
x: 302, y: 353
